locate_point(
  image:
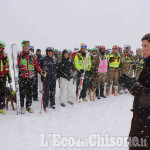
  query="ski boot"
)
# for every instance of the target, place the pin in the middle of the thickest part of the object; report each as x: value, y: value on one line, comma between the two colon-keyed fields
x: 2, y: 111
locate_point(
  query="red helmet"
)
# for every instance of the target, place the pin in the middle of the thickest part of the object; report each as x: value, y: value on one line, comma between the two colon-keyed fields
x: 115, y: 47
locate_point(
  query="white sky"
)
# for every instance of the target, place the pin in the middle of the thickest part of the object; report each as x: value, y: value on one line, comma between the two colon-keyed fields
x: 66, y: 23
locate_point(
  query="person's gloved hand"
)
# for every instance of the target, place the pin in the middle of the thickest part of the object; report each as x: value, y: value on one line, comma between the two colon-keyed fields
x: 126, y: 81
x: 43, y: 73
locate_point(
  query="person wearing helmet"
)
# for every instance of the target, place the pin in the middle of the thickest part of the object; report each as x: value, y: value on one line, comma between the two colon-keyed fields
x: 27, y: 63
x: 139, y: 62
x: 4, y: 74
x: 126, y: 61
x: 66, y: 71
x: 31, y: 48
x: 102, y: 71
x: 126, y: 64
x: 49, y: 65
x: 79, y: 65
x: 113, y: 72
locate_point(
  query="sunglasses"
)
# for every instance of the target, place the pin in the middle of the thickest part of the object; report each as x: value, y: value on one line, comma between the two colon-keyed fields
x: 84, y: 46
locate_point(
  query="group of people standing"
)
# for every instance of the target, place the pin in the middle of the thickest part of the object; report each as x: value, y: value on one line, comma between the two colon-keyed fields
x: 102, y: 68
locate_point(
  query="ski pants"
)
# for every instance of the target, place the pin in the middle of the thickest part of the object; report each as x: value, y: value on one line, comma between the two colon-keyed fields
x: 26, y: 88
x: 2, y: 92
x: 49, y: 87
x: 85, y: 85
x: 66, y: 90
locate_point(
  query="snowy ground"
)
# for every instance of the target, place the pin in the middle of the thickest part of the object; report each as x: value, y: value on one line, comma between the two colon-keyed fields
x: 106, y: 116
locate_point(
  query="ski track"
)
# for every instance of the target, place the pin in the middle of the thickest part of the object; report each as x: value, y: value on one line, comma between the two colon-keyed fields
x: 105, y: 116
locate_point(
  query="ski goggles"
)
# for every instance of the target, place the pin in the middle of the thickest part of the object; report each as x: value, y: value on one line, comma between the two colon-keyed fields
x: 84, y: 46
x: 25, y: 43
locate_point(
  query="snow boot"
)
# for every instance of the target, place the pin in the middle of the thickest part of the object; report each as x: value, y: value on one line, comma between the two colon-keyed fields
x: 102, y: 92
x: 2, y: 111
x: 97, y: 92
x: 71, y: 103
x: 85, y: 100
x: 30, y: 110
x: 63, y: 105
x: 52, y: 106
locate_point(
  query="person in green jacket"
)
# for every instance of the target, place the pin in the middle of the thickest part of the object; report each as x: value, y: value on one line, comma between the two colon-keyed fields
x: 79, y: 61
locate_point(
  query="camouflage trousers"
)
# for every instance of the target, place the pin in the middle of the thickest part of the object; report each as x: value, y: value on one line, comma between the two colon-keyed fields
x: 101, y: 78
x: 112, y: 78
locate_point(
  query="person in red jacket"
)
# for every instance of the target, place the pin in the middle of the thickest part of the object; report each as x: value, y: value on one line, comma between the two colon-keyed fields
x: 27, y: 62
x: 4, y: 74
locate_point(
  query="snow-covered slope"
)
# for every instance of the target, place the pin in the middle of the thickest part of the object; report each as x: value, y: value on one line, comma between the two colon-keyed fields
x: 105, y: 116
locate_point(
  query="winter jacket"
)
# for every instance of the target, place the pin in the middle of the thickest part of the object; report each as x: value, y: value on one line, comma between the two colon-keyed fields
x: 66, y: 68
x: 49, y: 65
x: 113, y: 60
x: 140, y: 126
x: 4, y: 66
x: 26, y: 64
x: 79, y: 61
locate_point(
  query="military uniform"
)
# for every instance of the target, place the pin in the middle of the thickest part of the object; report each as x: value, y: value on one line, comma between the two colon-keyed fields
x: 113, y: 72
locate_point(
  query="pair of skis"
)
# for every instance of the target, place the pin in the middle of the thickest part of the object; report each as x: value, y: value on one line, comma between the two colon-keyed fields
x: 82, y: 78
x: 16, y: 77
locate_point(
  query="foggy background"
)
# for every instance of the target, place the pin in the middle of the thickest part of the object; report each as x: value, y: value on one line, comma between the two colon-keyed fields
x: 66, y: 23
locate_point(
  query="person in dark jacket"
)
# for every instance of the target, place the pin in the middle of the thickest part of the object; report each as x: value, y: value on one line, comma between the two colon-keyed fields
x: 49, y: 65
x: 139, y: 136
x: 66, y: 70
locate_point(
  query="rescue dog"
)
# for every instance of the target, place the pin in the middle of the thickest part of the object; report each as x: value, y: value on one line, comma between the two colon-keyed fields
x: 9, y: 97
x: 92, y: 88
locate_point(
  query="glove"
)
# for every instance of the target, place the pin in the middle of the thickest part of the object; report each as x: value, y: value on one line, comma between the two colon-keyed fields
x: 126, y: 81
x: 81, y: 71
x: 43, y: 74
x: 10, y: 80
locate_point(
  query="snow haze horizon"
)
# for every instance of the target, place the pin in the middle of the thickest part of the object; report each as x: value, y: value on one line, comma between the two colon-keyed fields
x: 67, y: 23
